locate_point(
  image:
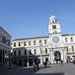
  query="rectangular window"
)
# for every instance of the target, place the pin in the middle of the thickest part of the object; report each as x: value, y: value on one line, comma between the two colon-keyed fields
x: 24, y: 43
x: 34, y: 42
x: 14, y: 44
x: 45, y: 50
x: 54, y: 26
x: 0, y: 55
x: 45, y: 41
x: 53, y: 22
x: 71, y: 39
x: 72, y: 48
x: 40, y: 42
x: 19, y: 44
x: 19, y: 52
x: 30, y: 52
x: 4, y: 39
x: 15, y: 53
x: 65, y: 39
x: 29, y: 43
x: 67, y: 49
x: 24, y: 52
x: 35, y: 51
x: 8, y: 43
x: 41, y: 51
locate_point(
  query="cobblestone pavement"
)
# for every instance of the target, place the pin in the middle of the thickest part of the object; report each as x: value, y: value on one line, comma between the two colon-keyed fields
x: 58, y: 69
x: 55, y: 69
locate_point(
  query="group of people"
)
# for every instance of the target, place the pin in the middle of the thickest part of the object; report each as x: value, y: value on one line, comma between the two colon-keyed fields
x: 36, y: 65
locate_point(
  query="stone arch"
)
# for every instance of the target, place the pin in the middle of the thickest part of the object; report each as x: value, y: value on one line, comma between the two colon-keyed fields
x: 57, y: 56
x: 68, y: 59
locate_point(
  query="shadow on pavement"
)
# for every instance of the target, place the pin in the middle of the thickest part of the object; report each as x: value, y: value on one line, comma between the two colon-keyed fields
x: 50, y: 74
x: 27, y: 71
x: 46, y: 67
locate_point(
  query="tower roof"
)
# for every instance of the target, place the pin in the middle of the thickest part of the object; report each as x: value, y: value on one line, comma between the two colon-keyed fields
x: 53, y: 18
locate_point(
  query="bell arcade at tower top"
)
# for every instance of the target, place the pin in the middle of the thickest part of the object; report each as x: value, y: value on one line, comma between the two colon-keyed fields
x: 54, y: 26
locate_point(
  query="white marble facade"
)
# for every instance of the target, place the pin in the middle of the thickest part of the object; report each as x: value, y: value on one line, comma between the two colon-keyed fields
x: 54, y: 46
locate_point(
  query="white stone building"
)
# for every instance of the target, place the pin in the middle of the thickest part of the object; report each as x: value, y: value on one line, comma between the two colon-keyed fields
x: 55, y: 46
x: 5, y: 45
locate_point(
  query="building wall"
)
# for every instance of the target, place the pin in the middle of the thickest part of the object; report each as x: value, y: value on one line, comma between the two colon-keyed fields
x: 5, y: 43
x: 40, y: 48
x: 45, y: 47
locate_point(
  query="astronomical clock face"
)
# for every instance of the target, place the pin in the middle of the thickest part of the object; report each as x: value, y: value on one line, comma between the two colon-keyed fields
x: 55, y: 39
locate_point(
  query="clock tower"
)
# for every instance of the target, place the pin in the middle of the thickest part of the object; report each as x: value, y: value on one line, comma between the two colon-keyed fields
x: 54, y: 26
x: 54, y: 30
x: 56, y: 41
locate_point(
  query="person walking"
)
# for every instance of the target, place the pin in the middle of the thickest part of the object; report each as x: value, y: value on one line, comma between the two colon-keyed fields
x: 37, y: 64
x: 34, y: 66
x: 61, y: 61
x: 45, y: 64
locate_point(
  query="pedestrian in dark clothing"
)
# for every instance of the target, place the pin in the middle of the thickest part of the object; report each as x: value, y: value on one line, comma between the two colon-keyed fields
x: 34, y: 67
x: 45, y: 64
x: 37, y: 64
x: 61, y: 62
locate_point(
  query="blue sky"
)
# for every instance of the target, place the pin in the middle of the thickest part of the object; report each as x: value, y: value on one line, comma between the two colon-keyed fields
x: 29, y: 18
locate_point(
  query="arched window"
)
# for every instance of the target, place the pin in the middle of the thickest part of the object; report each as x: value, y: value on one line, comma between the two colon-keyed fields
x: 54, y: 26
x: 19, y: 44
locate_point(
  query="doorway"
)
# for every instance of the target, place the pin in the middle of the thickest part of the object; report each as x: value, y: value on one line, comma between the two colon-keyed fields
x: 57, y: 56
